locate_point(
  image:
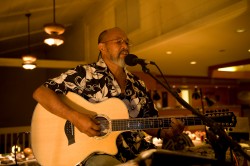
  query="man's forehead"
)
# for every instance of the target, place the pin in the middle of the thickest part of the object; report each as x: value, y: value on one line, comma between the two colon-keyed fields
x: 115, y: 33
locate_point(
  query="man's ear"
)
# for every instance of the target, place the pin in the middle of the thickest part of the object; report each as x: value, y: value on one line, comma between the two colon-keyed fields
x: 100, y: 46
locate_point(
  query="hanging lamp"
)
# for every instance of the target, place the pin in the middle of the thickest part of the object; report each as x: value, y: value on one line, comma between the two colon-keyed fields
x: 54, y: 31
x: 29, y: 61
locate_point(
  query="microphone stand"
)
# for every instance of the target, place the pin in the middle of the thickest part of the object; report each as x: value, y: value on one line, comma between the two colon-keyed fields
x: 225, y: 140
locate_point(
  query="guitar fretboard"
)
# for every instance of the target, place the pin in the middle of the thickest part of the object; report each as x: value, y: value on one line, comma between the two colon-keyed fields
x: 147, y: 123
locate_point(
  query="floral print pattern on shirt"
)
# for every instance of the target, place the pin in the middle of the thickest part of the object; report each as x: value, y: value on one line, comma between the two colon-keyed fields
x: 96, y: 83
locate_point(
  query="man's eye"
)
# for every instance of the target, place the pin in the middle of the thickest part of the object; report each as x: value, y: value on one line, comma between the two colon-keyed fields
x: 120, y: 41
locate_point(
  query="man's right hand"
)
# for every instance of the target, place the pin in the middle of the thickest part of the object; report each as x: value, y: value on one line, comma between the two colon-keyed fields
x: 86, y: 124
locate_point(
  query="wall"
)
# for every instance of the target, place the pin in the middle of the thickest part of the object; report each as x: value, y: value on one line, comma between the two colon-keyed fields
x: 16, y: 89
x: 219, y: 95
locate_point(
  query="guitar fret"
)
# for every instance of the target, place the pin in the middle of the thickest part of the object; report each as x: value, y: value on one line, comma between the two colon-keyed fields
x: 139, y: 123
x: 147, y: 123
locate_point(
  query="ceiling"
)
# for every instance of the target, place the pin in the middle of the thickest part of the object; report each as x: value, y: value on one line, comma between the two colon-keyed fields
x: 212, y: 45
x: 14, y: 27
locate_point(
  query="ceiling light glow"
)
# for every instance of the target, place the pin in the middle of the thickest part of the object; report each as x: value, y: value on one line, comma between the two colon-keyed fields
x: 54, y: 30
x: 240, y: 30
x: 229, y: 69
x: 29, y: 62
x: 168, y: 52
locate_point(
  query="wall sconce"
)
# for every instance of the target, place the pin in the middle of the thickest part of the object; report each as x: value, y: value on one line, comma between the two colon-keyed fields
x: 209, y: 101
x: 196, y: 95
x: 54, y: 30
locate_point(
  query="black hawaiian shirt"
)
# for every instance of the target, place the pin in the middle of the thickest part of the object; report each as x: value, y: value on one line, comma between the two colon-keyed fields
x: 96, y: 83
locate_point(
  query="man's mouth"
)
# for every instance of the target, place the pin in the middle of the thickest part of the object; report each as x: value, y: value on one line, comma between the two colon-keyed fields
x: 125, y: 52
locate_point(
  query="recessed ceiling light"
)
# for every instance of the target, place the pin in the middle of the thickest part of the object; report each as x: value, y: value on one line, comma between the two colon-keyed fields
x: 193, y: 62
x: 168, y: 52
x: 240, y: 30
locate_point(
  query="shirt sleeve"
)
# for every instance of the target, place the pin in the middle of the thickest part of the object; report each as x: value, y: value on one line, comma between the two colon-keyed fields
x: 71, y: 80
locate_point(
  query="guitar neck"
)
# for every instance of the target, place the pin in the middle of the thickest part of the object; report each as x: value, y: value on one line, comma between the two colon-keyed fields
x: 149, y: 123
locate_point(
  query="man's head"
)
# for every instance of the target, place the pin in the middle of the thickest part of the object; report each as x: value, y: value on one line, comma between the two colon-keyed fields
x: 113, y: 45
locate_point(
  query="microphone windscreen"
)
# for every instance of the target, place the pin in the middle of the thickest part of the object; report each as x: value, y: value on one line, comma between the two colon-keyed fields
x: 131, y: 60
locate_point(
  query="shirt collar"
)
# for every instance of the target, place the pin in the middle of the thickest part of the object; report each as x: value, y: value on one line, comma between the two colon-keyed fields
x: 101, y: 63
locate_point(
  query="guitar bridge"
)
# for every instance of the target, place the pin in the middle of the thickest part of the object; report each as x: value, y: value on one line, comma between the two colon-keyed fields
x: 69, y: 132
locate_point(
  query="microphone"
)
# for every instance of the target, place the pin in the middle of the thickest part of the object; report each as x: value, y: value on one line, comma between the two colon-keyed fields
x: 133, y: 60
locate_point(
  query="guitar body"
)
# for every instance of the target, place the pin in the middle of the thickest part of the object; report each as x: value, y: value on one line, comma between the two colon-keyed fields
x: 50, y: 144
x: 56, y: 142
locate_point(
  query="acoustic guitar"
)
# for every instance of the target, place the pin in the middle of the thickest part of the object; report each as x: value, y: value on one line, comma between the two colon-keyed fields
x: 56, y: 142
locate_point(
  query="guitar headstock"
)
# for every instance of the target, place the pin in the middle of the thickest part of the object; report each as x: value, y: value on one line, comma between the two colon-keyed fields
x: 224, y: 119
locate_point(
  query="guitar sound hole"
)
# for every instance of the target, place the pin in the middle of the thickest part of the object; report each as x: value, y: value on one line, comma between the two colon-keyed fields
x: 104, y: 123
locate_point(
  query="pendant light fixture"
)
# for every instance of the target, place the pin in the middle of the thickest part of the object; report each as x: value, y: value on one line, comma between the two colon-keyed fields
x: 54, y: 31
x: 28, y: 59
